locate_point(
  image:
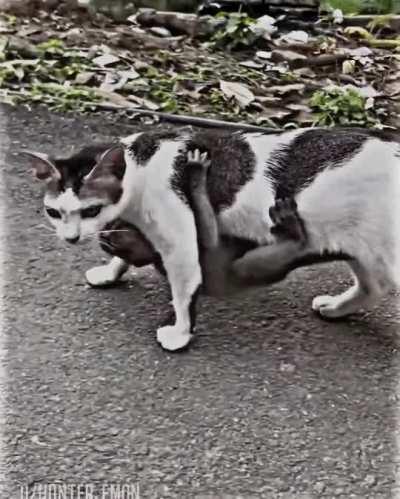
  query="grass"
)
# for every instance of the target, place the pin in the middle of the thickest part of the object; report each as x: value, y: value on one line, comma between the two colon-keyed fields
x: 364, y: 6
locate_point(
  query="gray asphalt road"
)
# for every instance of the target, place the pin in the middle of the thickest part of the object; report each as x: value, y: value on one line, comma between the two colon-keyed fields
x: 270, y: 401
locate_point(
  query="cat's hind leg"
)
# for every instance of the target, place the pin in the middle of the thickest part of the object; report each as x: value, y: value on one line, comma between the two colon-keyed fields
x: 369, y: 285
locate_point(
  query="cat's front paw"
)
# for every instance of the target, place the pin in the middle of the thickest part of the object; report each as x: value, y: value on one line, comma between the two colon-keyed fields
x: 102, y: 276
x: 173, y: 339
x: 328, y: 306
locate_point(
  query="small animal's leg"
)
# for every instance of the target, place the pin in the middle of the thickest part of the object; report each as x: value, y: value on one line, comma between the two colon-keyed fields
x: 271, y: 263
x: 368, y: 287
x: 266, y: 264
x: 215, y: 256
x: 107, y: 275
x: 206, y: 220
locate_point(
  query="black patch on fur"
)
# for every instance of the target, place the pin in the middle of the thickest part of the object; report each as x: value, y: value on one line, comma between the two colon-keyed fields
x: 192, y: 310
x: 77, y: 166
x: 232, y: 166
x: 293, y: 167
x: 385, y: 135
x: 148, y: 143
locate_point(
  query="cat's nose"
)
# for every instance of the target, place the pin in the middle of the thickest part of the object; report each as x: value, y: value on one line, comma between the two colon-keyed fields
x: 72, y: 240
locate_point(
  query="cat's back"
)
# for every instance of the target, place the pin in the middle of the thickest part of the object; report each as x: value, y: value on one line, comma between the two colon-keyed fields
x: 306, y: 153
x: 163, y: 155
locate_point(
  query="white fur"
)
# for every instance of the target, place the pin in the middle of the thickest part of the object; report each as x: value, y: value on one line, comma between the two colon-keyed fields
x: 105, y: 275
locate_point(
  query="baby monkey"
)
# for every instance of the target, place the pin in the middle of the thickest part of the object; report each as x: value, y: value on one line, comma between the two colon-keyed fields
x: 223, y: 271
x: 228, y: 264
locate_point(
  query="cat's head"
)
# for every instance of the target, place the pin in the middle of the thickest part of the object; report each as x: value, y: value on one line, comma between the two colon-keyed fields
x: 82, y: 192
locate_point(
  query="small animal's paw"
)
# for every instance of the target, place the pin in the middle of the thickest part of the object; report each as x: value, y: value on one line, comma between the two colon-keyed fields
x: 102, y: 276
x: 287, y: 221
x: 199, y: 158
x: 173, y: 339
x: 282, y: 210
x: 327, y: 306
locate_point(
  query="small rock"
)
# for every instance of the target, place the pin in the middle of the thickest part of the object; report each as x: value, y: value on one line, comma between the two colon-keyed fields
x: 162, y: 32
x: 264, y: 26
x: 296, y: 37
x: 287, y: 368
x: 35, y: 440
x: 319, y: 487
x: 262, y: 54
x: 370, y: 480
x: 294, y: 59
x: 281, y: 485
x: 105, y: 60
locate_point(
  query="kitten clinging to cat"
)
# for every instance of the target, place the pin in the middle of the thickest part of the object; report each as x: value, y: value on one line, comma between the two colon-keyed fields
x: 345, y: 182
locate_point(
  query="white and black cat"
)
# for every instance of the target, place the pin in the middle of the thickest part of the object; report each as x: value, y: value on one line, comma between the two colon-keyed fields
x: 346, y: 183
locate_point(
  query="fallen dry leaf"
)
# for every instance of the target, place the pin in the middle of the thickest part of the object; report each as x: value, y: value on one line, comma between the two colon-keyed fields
x: 113, y: 81
x: 113, y: 98
x: 251, y: 64
x: 105, y: 60
x: 238, y: 91
x: 285, y: 89
x: 144, y: 103
x: 84, y: 77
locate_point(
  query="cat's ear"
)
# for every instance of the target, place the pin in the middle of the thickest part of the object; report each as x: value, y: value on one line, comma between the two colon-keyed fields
x: 42, y: 166
x: 111, y: 162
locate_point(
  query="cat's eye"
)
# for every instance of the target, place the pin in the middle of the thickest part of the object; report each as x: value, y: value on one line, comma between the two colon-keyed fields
x: 53, y: 213
x: 91, y: 212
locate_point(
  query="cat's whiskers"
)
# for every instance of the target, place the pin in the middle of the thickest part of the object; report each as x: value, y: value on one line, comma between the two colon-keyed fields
x: 44, y: 226
x: 108, y: 245
x: 113, y: 230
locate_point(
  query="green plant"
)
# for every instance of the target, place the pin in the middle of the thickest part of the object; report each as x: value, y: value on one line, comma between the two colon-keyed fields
x: 63, y: 98
x: 362, y: 6
x: 52, y: 46
x: 222, y: 104
x: 235, y: 32
x: 337, y: 106
x: 162, y: 90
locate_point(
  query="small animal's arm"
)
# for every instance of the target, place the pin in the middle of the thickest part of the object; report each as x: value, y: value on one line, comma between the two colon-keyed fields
x: 222, y: 272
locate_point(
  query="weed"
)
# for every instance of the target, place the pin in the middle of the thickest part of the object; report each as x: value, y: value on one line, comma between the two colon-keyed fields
x: 63, y: 98
x: 337, y: 106
x: 363, y: 6
x: 236, y: 32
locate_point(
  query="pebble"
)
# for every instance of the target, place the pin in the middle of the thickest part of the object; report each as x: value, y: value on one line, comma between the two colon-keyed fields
x: 286, y: 367
x: 370, y: 480
x: 319, y: 487
x: 162, y: 32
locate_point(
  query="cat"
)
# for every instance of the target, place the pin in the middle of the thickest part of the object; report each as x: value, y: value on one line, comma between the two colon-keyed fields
x: 345, y: 183
x: 126, y: 242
